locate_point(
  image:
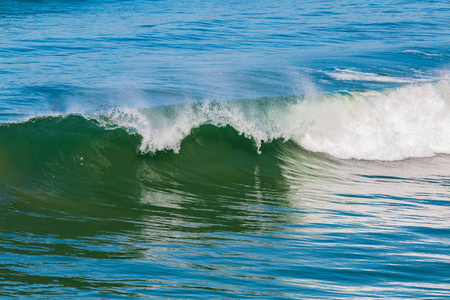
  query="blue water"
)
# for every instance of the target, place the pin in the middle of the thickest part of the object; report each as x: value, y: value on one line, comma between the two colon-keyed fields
x: 210, y: 149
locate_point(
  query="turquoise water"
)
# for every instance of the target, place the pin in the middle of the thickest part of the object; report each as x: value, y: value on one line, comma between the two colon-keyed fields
x: 200, y: 149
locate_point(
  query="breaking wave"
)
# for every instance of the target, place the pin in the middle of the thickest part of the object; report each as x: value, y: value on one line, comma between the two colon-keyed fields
x: 408, y: 121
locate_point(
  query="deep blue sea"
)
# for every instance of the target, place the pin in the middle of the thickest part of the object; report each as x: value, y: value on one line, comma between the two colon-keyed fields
x: 224, y: 150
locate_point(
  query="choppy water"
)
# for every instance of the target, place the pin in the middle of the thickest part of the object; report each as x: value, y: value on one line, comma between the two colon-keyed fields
x: 202, y: 149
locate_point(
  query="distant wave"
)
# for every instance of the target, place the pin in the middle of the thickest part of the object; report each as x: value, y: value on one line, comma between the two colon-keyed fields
x: 417, y: 52
x: 351, y: 75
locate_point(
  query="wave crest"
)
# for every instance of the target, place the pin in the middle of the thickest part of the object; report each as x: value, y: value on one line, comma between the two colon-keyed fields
x: 164, y: 128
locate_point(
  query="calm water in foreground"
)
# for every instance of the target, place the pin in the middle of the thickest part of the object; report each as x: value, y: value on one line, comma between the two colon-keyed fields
x: 201, y: 149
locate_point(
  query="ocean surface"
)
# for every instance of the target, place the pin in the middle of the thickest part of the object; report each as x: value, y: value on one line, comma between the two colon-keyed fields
x: 224, y: 150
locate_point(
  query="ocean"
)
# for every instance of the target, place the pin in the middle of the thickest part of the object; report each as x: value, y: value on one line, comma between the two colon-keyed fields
x: 224, y: 150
